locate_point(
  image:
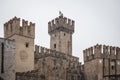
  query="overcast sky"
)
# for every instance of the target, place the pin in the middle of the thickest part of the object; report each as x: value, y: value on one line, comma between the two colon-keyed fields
x: 96, y: 21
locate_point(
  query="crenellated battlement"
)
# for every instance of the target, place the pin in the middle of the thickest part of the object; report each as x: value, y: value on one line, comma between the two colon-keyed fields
x: 101, y: 51
x: 61, y: 23
x: 13, y: 27
x: 28, y: 74
x: 42, y: 52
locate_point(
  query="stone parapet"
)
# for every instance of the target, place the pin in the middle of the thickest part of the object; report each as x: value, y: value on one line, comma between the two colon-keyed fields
x: 41, y: 52
x: 61, y: 23
x: 31, y: 75
x: 13, y: 27
x: 101, y: 51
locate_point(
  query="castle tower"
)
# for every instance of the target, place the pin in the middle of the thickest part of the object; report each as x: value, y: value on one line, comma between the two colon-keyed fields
x: 24, y: 43
x: 60, y: 30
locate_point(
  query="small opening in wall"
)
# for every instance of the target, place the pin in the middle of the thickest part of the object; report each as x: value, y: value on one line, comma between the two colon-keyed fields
x: 112, y: 67
x: 2, y: 58
x: 64, y: 34
x: 54, y: 45
x: 27, y: 44
x: 55, y: 35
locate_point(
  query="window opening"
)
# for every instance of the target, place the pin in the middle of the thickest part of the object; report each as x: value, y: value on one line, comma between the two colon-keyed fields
x: 2, y: 58
x: 64, y: 34
x: 27, y: 44
x: 54, y: 45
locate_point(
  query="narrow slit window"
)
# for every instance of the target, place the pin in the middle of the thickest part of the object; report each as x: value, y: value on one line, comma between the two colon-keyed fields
x: 64, y: 34
x: 2, y: 58
x: 54, y: 45
x: 113, y: 67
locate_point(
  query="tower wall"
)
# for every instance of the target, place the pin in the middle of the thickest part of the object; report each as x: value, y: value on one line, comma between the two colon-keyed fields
x: 101, y: 60
x: 62, y: 23
x: 24, y: 55
x: 7, y: 59
x: 118, y: 61
x: 13, y: 27
x: 61, y: 30
x: 24, y: 43
x: 62, y: 41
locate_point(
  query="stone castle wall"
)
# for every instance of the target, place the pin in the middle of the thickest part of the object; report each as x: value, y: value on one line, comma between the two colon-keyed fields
x: 101, y: 61
x: 60, y: 30
x: 24, y: 55
x: 13, y: 27
x: 7, y: 59
x: 99, y: 51
x: 54, y: 65
x: 30, y: 75
x: 62, y: 23
x: 42, y: 51
x: 19, y: 61
x: 24, y: 42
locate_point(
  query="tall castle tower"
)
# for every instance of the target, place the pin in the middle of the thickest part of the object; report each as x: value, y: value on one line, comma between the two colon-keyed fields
x: 24, y: 43
x: 60, y: 31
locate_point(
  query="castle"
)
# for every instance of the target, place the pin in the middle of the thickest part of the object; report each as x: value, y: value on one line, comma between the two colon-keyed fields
x: 21, y: 59
x: 102, y: 62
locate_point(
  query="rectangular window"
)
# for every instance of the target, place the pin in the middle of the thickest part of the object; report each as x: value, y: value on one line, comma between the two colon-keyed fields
x: 113, y: 67
x: 2, y: 58
x: 27, y: 44
x: 54, y: 45
x: 64, y: 34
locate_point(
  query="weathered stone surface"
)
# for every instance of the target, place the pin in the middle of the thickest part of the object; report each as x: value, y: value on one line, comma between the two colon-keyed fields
x: 61, y: 30
x: 22, y: 62
x: 54, y: 66
x: 24, y: 43
x: 57, y: 63
x: 7, y: 59
x: 103, y: 65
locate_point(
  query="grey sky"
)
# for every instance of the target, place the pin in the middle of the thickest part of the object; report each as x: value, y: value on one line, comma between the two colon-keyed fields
x: 96, y: 21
